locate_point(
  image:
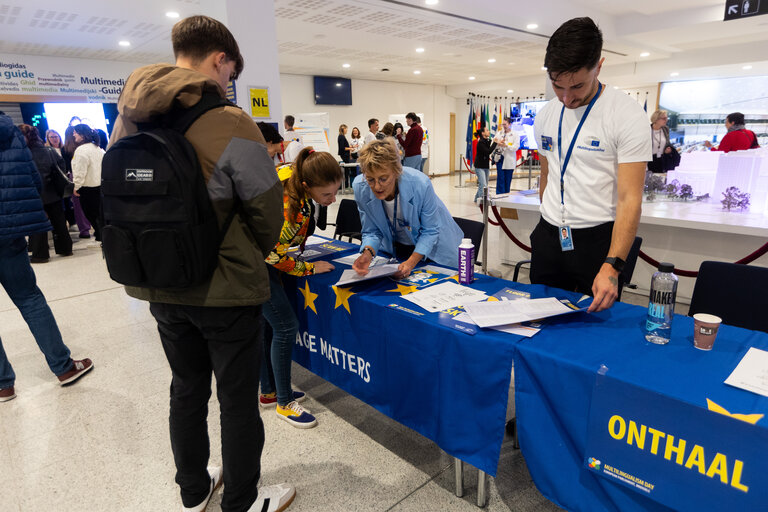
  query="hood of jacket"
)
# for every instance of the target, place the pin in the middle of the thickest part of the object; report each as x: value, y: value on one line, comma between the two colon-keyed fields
x: 6, y: 128
x: 153, y: 90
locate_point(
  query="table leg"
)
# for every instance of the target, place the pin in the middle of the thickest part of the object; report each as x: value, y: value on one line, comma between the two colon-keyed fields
x: 459, y: 470
x: 482, y: 481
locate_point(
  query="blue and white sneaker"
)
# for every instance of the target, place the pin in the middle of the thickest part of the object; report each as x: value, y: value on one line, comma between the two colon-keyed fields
x: 296, y: 415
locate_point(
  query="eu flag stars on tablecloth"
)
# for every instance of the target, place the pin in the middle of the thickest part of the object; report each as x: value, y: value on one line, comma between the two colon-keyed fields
x: 309, y: 297
x: 342, y: 297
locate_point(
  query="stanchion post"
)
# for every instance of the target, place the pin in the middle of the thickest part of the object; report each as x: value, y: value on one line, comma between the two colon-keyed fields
x: 482, y: 481
x: 461, y: 166
x: 486, y: 207
x: 459, y: 469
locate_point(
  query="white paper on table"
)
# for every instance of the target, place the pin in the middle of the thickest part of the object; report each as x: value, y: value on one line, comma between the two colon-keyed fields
x: 751, y: 373
x: 444, y: 296
x: 440, y: 270
x: 492, y: 314
x: 517, y: 329
x: 315, y: 240
x: 350, y: 276
x: 350, y: 260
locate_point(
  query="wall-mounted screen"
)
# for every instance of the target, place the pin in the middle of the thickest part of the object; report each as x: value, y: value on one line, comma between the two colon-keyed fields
x: 331, y: 90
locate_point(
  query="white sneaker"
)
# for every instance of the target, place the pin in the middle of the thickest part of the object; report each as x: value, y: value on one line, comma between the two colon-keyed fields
x: 216, y: 474
x: 274, y: 498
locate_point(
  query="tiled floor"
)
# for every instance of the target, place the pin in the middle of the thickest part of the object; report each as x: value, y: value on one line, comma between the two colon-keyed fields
x: 102, y: 444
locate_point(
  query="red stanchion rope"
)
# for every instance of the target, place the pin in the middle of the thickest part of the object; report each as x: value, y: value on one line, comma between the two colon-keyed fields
x: 490, y: 220
x: 680, y: 272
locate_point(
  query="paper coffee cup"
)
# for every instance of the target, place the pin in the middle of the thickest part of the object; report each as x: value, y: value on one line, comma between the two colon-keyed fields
x: 705, y: 329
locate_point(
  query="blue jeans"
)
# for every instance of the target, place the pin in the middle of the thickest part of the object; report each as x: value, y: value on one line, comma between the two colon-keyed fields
x: 18, y: 279
x: 423, y: 161
x: 276, y: 377
x: 503, y: 178
x: 482, y: 181
x: 414, y: 162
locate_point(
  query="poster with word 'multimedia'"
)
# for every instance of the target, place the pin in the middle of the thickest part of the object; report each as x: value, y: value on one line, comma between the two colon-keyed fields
x: 80, y: 79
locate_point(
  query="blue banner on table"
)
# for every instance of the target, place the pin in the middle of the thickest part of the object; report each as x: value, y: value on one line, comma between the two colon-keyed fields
x: 397, y: 358
x: 682, y: 456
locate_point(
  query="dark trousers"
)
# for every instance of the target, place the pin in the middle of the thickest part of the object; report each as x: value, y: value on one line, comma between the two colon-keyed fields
x: 90, y: 201
x: 62, y: 242
x: 225, y: 342
x: 570, y: 270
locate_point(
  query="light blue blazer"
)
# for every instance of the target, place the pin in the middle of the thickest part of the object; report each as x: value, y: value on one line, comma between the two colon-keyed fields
x: 429, y: 222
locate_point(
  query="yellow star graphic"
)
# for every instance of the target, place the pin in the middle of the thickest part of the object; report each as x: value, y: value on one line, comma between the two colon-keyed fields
x: 749, y: 418
x: 309, y: 297
x: 404, y: 290
x: 493, y: 299
x: 342, y: 297
x: 455, y: 278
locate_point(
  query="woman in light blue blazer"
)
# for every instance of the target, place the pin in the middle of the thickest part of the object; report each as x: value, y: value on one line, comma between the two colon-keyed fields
x: 400, y: 213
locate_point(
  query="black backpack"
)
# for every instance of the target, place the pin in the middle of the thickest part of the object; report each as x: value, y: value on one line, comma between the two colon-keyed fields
x: 159, y: 229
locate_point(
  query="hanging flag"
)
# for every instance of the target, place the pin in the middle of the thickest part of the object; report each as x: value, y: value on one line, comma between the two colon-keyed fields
x: 470, y: 132
x: 645, y: 107
x: 487, y: 121
x: 495, y: 120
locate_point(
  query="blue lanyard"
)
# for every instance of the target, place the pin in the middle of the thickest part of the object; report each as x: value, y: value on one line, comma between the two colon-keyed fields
x: 392, y: 223
x: 564, y: 164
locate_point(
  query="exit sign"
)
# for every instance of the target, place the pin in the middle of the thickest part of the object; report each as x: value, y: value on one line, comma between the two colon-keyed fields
x: 737, y: 9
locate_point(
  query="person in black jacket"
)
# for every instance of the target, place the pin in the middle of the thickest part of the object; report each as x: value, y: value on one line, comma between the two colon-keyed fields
x: 47, y: 160
x: 482, y: 159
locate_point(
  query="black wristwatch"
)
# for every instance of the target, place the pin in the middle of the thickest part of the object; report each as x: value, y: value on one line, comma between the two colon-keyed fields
x: 617, y: 263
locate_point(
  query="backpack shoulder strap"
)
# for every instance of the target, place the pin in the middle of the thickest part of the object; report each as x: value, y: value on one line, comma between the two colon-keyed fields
x: 181, y: 119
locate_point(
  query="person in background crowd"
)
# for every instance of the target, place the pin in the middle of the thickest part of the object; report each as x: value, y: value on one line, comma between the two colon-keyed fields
x: 53, y: 140
x: 400, y: 213
x: 510, y: 139
x: 356, y: 143
x: 345, y: 151
x: 86, y: 173
x: 482, y: 160
x: 399, y: 131
x: 388, y: 130
x: 22, y: 214
x: 313, y: 178
x: 659, y: 140
x: 412, y: 142
x: 67, y: 152
x: 291, y: 134
x: 424, y: 145
x: 373, y: 129
x: 47, y: 161
x: 592, y: 191
x: 215, y: 329
x: 738, y: 137
x: 103, y: 138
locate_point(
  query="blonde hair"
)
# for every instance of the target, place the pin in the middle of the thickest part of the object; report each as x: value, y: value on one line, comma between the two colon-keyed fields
x: 380, y: 155
x: 659, y: 113
x: 342, y: 128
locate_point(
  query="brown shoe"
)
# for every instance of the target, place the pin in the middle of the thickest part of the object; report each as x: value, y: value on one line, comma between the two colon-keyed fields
x: 79, y: 368
x: 7, y: 394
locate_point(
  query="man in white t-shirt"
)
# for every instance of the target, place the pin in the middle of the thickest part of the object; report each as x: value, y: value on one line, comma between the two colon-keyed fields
x: 373, y: 129
x: 593, y: 192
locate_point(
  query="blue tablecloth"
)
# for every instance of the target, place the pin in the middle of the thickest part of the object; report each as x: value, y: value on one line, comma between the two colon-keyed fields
x: 555, y: 376
x: 449, y: 386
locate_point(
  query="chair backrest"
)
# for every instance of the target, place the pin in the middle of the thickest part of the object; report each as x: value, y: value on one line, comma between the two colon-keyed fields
x: 473, y: 230
x: 348, y: 220
x: 733, y: 292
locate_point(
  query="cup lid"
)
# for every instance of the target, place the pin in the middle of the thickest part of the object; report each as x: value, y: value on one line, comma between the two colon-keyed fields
x: 707, y: 318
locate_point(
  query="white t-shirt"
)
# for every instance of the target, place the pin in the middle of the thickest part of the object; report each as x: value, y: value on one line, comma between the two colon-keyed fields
x: 402, y: 232
x: 293, y: 135
x: 616, y: 132
x: 369, y: 137
x: 292, y: 150
x: 357, y: 145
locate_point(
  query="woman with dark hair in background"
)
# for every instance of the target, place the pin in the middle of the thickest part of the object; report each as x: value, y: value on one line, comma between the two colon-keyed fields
x: 67, y: 152
x: 103, y: 139
x: 86, y: 173
x: 399, y: 131
x: 483, y: 159
x: 357, y: 143
x: 738, y: 137
x: 47, y: 161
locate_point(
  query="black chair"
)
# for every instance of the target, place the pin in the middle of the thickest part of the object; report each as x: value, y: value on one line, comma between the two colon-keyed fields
x: 348, y: 221
x: 626, y: 274
x: 473, y: 230
x: 732, y: 292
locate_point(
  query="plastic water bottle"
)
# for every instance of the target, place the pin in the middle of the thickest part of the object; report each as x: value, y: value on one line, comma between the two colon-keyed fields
x: 661, y: 306
x: 466, y: 261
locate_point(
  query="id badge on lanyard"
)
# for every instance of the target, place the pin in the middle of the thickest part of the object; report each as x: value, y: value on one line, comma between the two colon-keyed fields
x: 565, y: 235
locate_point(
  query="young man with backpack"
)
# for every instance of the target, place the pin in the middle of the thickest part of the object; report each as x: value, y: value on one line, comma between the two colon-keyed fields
x: 208, y: 314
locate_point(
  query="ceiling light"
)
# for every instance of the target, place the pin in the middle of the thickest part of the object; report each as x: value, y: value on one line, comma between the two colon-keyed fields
x: 338, y: 84
x: 417, y: 72
x: 491, y: 60
x: 345, y: 65
x: 510, y: 91
x: 644, y: 54
x: 532, y: 26
x: 124, y: 43
x: 431, y: 2
x: 615, y: 86
x: 471, y: 78
x: 674, y: 73
x: 419, y: 50
x: 747, y: 67
x: 172, y: 14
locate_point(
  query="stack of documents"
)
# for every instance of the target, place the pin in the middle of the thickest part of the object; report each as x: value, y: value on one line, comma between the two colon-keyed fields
x: 444, y: 296
x: 492, y: 314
